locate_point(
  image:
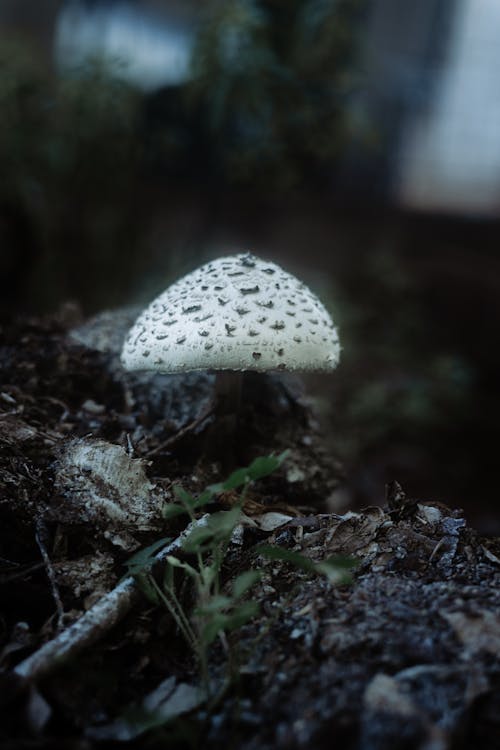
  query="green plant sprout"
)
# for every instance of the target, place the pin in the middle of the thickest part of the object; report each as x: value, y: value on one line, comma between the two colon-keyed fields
x: 214, y: 613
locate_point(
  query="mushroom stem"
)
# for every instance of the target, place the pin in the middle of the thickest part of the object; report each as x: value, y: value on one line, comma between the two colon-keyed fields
x: 228, y: 393
x: 221, y: 442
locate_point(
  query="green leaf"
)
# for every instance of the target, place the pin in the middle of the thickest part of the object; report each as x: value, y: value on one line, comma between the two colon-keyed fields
x: 198, y: 540
x: 241, y: 614
x: 145, y: 584
x: 206, y: 497
x: 219, y: 528
x: 336, y: 569
x: 145, y: 557
x: 223, y: 621
x: 259, y: 468
x: 234, y: 480
x: 245, y: 581
x: 183, y: 496
x: 215, y: 489
x: 295, y: 558
x: 223, y: 522
x: 265, y: 465
x: 215, y: 604
x: 175, y: 563
x: 213, y: 627
x: 209, y: 574
x: 172, y: 510
x: 184, y: 504
x: 342, y: 562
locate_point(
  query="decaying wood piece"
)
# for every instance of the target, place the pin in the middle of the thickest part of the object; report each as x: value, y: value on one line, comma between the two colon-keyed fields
x: 106, y: 613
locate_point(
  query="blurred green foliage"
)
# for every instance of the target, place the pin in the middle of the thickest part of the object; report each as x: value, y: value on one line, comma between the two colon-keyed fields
x: 69, y: 166
x: 274, y: 80
x: 85, y: 158
x: 406, y: 399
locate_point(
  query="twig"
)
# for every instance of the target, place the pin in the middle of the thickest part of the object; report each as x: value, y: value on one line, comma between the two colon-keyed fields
x: 106, y: 613
x: 130, y: 447
x: 49, y: 569
x: 188, y: 428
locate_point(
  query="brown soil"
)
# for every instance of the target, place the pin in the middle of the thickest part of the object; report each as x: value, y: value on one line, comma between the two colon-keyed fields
x: 406, y: 656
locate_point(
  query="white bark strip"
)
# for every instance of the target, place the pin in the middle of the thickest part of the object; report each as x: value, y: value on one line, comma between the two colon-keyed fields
x: 100, y: 618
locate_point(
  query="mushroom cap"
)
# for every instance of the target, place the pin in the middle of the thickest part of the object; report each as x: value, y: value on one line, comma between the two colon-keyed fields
x: 234, y: 313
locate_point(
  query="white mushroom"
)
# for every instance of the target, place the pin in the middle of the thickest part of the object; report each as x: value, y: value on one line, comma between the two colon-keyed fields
x: 235, y: 313
x: 231, y: 315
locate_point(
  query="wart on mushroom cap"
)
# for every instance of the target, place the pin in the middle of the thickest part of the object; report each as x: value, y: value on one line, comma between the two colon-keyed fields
x: 234, y: 313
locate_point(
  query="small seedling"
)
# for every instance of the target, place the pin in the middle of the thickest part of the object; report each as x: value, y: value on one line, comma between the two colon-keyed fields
x: 214, y: 613
x: 205, y: 547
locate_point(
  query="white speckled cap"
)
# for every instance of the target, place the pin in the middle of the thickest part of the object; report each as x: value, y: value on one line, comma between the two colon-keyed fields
x: 234, y: 313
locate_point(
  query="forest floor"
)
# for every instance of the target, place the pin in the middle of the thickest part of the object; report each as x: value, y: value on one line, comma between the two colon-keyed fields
x: 369, y: 629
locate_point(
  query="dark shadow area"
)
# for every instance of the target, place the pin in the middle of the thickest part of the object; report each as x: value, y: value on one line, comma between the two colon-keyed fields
x: 108, y: 193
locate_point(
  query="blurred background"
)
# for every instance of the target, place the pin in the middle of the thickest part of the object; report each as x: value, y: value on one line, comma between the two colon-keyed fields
x: 356, y: 142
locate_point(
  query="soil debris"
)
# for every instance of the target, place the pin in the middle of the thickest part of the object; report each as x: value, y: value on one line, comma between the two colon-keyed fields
x: 407, y: 655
